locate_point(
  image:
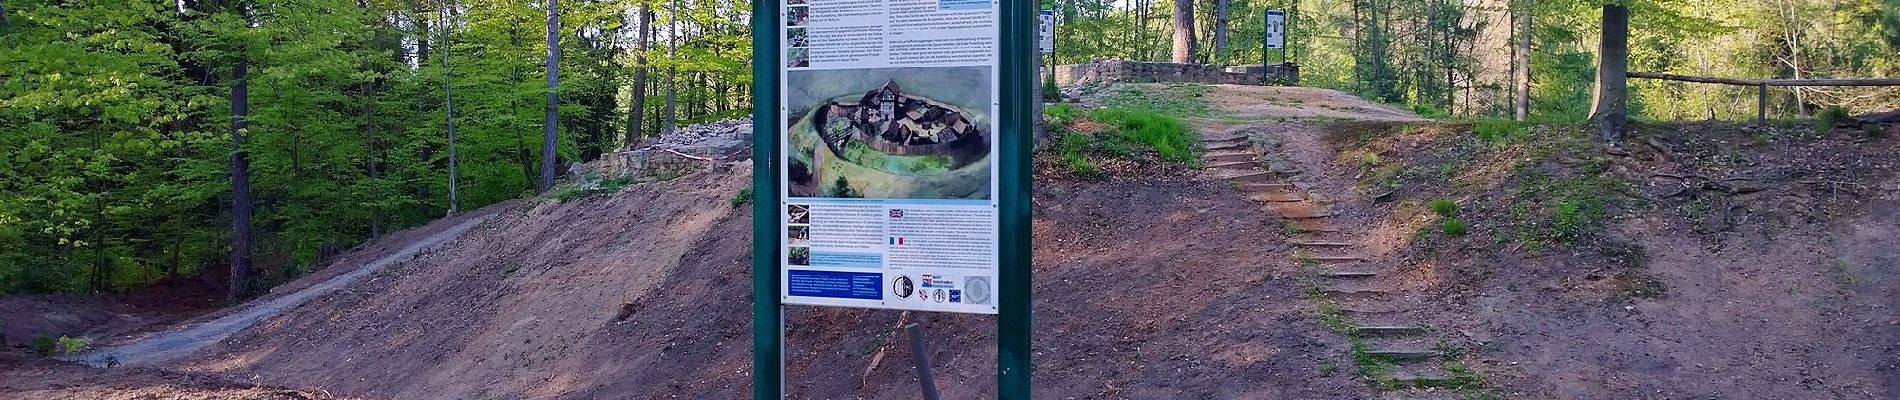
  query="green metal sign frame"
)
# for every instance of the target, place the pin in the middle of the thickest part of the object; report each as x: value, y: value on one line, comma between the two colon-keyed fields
x: 1017, y: 73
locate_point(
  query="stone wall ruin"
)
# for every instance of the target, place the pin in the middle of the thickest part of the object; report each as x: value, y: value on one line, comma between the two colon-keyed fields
x: 1124, y: 71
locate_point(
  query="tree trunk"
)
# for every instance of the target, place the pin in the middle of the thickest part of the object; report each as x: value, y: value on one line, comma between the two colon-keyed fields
x: 369, y: 150
x: 1183, y: 32
x: 240, y: 187
x: 550, y: 132
x: 101, y: 268
x: 1140, y: 29
x: 1610, y: 109
x: 448, y: 111
x: 1220, y: 32
x: 422, y: 29
x: 639, y: 92
x: 672, y: 79
x: 1522, y: 76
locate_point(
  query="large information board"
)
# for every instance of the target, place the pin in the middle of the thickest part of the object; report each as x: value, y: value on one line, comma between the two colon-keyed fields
x: 888, y: 149
x: 1275, y: 29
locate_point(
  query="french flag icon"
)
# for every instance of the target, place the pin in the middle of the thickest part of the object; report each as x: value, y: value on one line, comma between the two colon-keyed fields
x: 895, y: 241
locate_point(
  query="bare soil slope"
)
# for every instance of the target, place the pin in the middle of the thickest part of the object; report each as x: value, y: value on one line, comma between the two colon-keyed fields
x: 1293, y: 102
x: 1142, y: 292
x: 1714, y: 262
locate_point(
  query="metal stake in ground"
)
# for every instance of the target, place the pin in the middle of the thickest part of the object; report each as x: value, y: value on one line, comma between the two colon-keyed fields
x: 922, y: 355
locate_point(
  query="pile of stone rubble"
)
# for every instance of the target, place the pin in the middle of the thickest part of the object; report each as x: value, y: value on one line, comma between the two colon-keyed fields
x: 716, y: 134
x: 688, y: 148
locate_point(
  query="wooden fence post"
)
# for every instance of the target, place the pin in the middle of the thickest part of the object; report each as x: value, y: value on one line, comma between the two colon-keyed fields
x: 1761, y: 105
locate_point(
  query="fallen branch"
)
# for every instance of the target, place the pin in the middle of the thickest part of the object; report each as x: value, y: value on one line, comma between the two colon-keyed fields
x: 677, y: 153
x: 1699, y: 182
x: 1661, y: 150
x: 1835, y: 187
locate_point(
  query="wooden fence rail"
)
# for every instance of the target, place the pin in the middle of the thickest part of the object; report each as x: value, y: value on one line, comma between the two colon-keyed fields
x: 1761, y: 85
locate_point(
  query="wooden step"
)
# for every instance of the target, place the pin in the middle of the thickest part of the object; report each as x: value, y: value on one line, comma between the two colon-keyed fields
x: 1252, y: 177
x: 1364, y: 312
x: 1403, y: 355
x: 1238, y: 138
x: 1354, y: 294
x: 1423, y: 379
x: 1274, y: 196
x: 1228, y: 157
x: 1233, y: 146
x: 1337, y: 258
x: 1303, y: 214
x: 1269, y: 186
x: 1244, y: 165
x: 1390, y: 330
x: 1348, y: 274
x: 1322, y: 244
x: 1313, y: 226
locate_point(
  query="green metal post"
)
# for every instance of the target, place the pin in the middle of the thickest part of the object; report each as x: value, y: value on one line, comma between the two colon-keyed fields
x: 1018, y: 68
x: 768, y: 362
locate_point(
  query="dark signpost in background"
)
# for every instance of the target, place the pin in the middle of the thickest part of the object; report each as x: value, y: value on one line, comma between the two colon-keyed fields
x: 1274, y: 36
x: 889, y: 176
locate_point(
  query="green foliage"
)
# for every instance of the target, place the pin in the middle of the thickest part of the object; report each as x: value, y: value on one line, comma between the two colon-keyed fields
x: 744, y: 197
x: 1875, y: 131
x: 593, y: 185
x: 1567, y: 210
x: 842, y: 188
x: 1453, y: 226
x: 863, y: 154
x: 1445, y: 207
x: 1060, y: 112
x: 1175, y: 100
x: 1499, y: 130
x: 74, y: 345
x: 1050, y: 92
x: 1168, y: 136
x: 117, y: 117
x: 45, y: 345
x: 1429, y: 111
x: 1829, y: 116
x: 1074, y: 149
x: 1290, y: 228
x: 1368, y: 161
x: 64, y: 345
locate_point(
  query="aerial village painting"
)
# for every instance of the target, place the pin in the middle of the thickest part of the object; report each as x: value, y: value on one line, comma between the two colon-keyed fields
x: 915, y: 133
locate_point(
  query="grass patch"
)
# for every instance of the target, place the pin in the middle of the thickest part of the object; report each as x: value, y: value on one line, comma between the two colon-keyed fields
x: 1130, y: 134
x: 1290, y: 228
x: 742, y: 198
x: 1180, y: 99
x: 45, y: 345
x: 1169, y: 137
x: 1074, y: 149
x: 1844, y: 273
x: 63, y: 345
x: 1453, y: 226
x: 1499, y: 131
x: 1561, y: 210
x: 1061, y: 112
x: 580, y: 190
x: 1825, y: 120
x: 1140, y: 118
x: 1445, y: 207
x: 863, y: 154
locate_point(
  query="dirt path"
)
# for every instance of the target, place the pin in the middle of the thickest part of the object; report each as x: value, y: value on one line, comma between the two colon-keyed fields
x: 1287, y: 170
x: 1266, y: 144
x: 173, y: 344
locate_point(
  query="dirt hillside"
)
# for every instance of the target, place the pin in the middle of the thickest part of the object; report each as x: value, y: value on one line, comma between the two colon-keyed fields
x: 645, y: 294
x: 1313, y: 258
x: 1714, y: 261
